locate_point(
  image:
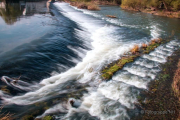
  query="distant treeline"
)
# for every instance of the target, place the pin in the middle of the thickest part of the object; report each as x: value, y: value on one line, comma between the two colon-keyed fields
x: 169, y: 5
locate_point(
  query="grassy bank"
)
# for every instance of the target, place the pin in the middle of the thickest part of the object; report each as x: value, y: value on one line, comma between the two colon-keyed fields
x: 163, y: 100
x: 135, y: 52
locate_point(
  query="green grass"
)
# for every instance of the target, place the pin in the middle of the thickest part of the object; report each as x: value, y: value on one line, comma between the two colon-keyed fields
x: 108, y: 72
x: 48, y: 117
x: 165, y: 76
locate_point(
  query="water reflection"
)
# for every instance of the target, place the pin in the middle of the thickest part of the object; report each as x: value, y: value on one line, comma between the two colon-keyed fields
x: 48, y: 4
x: 22, y: 22
x: 12, y: 11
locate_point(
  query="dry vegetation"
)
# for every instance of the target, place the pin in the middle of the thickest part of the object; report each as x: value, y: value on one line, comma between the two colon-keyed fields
x: 144, y: 45
x: 170, y: 5
x: 5, y: 116
x: 168, y: 8
x: 135, y: 49
x: 176, y: 81
x: 154, y: 41
x: 93, y: 7
x: 84, y: 5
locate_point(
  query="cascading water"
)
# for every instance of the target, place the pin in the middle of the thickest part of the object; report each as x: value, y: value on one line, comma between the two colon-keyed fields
x: 107, y: 100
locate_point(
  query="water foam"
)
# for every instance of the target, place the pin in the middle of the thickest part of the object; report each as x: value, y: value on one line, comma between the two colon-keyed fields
x: 103, y: 45
x: 103, y: 107
x: 109, y: 100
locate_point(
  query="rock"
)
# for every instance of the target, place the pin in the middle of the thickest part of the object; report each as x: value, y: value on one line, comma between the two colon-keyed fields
x: 74, y: 103
x: 111, y: 16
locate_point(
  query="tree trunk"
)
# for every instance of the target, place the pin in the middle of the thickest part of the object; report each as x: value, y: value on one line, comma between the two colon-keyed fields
x: 165, y: 5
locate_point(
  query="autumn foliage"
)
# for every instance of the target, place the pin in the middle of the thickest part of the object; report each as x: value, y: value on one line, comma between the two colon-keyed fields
x: 135, y: 49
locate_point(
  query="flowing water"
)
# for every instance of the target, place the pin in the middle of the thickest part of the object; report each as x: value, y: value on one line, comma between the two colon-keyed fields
x: 57, y: 52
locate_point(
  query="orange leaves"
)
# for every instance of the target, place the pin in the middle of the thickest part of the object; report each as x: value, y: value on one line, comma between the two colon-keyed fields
x: 135, y: 49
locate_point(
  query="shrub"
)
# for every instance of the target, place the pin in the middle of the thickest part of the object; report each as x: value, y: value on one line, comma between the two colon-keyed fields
x: 168, y: 4
x: 92, y: 6
x: 4, y: 116
x: 159, y: 40
x: 176, y: 5
x: 135, y: 49
x: 144, y: 45
x: 82, y: 5
x: 154, y: 41
x: 48, y: 117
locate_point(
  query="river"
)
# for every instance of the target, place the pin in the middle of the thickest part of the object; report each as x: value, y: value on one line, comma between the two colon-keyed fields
x: 57, y: 51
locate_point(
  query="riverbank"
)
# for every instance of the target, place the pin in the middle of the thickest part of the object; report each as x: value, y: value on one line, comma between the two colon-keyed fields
x: 153, y: 11
x: 91, y: 5
x: 84, y: 5
x: 163, y: 98
x: 94, y: 5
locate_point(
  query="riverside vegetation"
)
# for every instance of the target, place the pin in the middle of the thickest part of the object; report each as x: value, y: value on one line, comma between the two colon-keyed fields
x: 92, y: 4
x: 170, y: 5
x: 168, y: 8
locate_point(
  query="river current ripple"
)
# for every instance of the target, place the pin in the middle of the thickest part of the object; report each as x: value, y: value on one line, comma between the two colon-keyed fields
x: 62, y: 62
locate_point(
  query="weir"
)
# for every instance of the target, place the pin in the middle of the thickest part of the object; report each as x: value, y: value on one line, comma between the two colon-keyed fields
x: 101, y: 40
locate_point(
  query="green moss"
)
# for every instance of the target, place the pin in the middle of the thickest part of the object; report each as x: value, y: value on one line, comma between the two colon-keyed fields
x: 165, y: 76
x: 146, y: 52
x: 151, y: 47
x: 124, y: 61
x: 139, y: 97
x: 48, y: 117
x: 108, y: 72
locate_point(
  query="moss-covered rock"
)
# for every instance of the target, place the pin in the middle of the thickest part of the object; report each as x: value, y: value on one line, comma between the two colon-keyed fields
x: 109, y: 70
x: 48, y: 118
